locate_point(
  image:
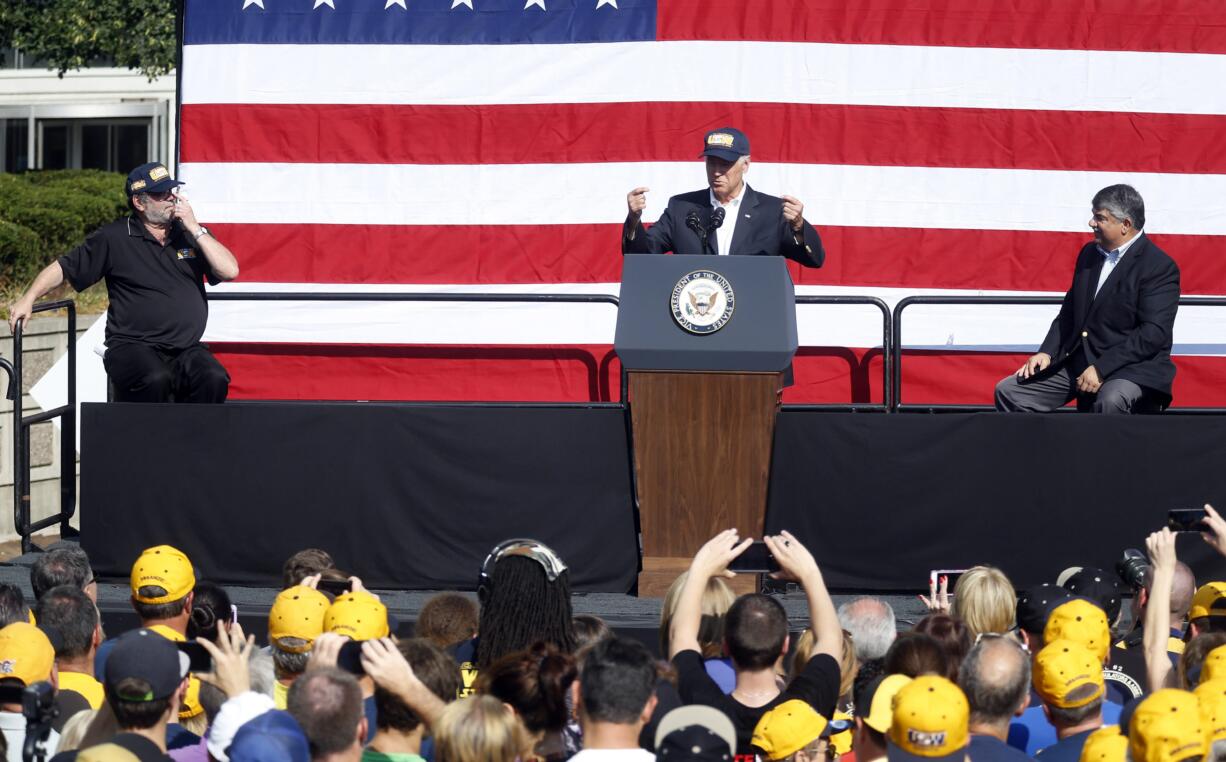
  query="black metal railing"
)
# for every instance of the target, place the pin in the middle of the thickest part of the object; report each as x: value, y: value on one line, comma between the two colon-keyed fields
x: 396, y: 296
x: 67, y: 413
x: 887, y: 358
x: 412, y: 296
x: 897, y: 346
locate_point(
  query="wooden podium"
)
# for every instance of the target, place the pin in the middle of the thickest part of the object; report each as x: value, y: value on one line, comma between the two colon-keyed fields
x: 702, y: 406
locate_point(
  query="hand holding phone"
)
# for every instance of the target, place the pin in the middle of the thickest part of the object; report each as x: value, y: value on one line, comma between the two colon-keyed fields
x: 756, y: 559
x: 199, y: 659
x: 334, y: 587
x: 1186, y: 520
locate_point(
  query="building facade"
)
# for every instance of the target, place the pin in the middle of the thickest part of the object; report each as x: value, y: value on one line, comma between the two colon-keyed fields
x: 96, y: 118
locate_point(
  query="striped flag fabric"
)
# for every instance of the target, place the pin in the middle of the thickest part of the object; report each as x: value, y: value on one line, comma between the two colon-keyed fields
x: 939, y: 146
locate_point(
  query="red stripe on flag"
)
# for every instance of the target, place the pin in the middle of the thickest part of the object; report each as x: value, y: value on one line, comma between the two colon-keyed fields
x: 969, y: 378
x: 1186, y: 26
x: 591, y: 373
x: 633, y: 132
x: 877, y: 257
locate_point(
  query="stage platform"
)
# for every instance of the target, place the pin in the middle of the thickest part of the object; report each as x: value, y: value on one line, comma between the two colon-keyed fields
x: 412, y: 496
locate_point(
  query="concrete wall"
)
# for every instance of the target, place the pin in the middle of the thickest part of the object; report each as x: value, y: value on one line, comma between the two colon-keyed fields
x: 44, y: 340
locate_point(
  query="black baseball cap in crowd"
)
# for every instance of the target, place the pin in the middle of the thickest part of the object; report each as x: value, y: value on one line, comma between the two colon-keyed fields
x: 726, y: 143
x: 150, y: 178
x: 1035, y: 604
x: 145, y: 655
x: 1099, y: 587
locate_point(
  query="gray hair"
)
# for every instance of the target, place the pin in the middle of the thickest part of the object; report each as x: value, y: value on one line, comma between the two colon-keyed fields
x: 995, y: 678
x: 1122, y: 202
x: 290, y: 663
x: 871, y: 624
x: 263, y: 672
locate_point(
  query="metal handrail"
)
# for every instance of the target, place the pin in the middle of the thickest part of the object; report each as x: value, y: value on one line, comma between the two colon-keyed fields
x: 897, y: 346
x: 21, y: 435
x: 887, y: 361
x: 419, y: 296
x: 409, y: 296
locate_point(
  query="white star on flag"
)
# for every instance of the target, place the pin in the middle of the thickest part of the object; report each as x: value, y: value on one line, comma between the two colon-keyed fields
x: 457, y: 3
x: 531, y: 3
x: 602, y: 3
x: 328, y: 3
x: 390, y: 3
x: 260, y: 3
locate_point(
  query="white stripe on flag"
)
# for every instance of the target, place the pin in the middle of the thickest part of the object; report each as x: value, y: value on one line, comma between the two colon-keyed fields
x: 953, y: 327
x: 547, y: 194
x: 765, y: 72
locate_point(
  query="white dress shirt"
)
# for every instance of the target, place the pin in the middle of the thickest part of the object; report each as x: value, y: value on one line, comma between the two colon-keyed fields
x: 1112, y: 258
x: 732, y: 209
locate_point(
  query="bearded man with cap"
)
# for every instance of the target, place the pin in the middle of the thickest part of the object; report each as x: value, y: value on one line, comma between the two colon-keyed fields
x: 1084, y: 623
x: 155, y: 263
x: 727, y: 217
x: 1069, y: 680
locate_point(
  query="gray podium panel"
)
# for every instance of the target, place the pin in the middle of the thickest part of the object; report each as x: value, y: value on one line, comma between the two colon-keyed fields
x: 759, y: 336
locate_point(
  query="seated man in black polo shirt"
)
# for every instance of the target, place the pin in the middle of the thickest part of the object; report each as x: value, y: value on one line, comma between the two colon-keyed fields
x: 155, y: 263
x: 756, y: 637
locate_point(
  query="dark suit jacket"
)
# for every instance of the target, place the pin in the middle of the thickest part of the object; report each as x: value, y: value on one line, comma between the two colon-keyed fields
x: 761, y: 229
x: 1125, y: 331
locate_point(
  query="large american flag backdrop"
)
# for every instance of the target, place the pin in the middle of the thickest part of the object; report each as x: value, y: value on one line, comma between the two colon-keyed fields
x: 940, y: 146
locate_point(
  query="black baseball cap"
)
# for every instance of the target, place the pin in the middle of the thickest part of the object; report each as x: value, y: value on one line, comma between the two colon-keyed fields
x: 1099, y: 587
x: 726, y: 143
x: 1035, y: 604
x: 150, y: 178
x: 145, y: 655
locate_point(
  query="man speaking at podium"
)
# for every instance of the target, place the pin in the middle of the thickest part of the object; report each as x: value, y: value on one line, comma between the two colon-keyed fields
x: 728, y: 217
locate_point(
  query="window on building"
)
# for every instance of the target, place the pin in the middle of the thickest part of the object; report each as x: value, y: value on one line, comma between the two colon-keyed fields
x: 115, y: 145
x: 15, y: 137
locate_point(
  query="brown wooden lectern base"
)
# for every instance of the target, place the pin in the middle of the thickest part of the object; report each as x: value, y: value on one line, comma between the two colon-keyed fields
x: 702, y: 449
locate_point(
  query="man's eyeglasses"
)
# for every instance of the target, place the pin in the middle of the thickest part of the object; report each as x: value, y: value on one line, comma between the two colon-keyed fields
x: 1006, y: 636
x: 162, y: 195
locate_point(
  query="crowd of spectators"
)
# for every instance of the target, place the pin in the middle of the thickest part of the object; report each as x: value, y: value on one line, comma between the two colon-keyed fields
x: 991, y: 674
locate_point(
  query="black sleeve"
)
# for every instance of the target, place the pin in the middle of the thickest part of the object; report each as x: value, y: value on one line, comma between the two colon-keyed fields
x: 693, y: 683
x: 806, y: 248
x: 88, y: 263
x: 658, y: 239
x: 817, y: 684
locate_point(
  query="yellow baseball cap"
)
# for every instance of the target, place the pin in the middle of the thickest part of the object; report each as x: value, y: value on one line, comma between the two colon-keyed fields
x: 26, y: 653
x: 1162, y: 744
x: 358, y: 615
x: 1082, y: 622
x: 1212, y: 697
x: 881, y: 702
x: 1170, y: 738
x: 931, y: 718
x: 1067, y: 675
x: 191, y: 706
x: 164, y: 567
x: 298, y: 612
x: 1106, y: 744
x: 788, y: 728
x: 1206, y: 596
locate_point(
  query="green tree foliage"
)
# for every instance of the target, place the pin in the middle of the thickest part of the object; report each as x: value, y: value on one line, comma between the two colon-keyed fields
x: 44, y: 214
x: 71, y: 34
